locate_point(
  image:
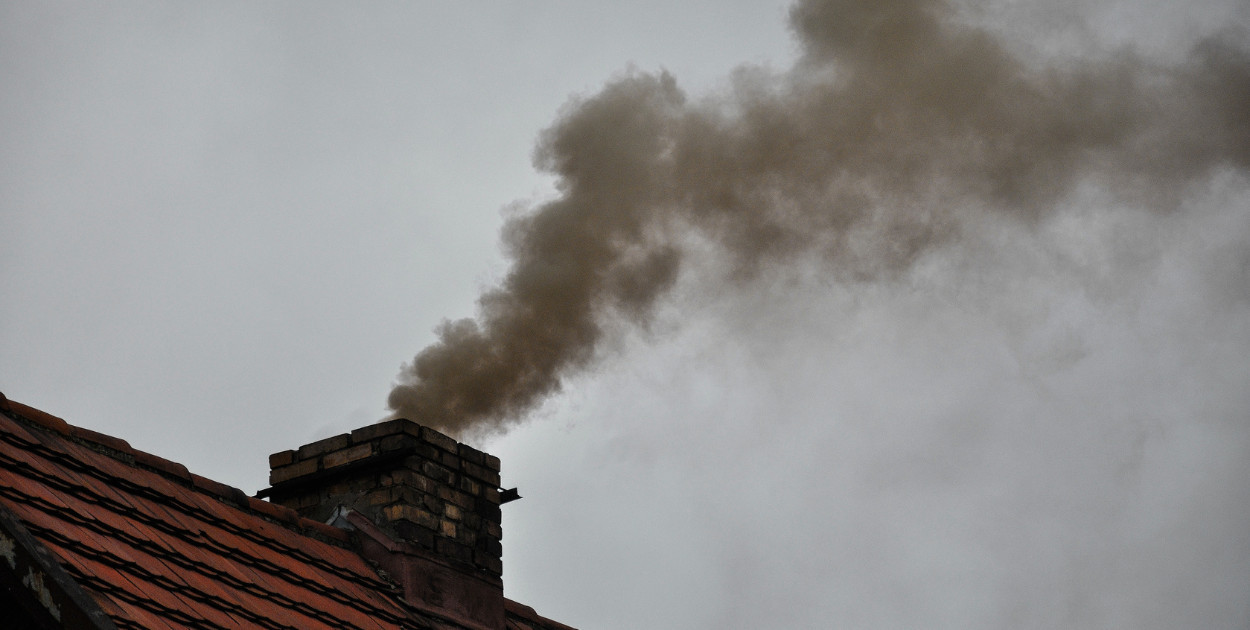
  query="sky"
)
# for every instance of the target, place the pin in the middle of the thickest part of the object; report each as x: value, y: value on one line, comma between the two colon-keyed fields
x: 987, y: 370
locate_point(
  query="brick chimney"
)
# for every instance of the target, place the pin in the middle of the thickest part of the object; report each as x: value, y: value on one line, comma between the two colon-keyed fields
x: 425, y: 507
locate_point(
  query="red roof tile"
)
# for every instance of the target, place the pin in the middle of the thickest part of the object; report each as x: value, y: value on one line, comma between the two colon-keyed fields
x: 156, y: 550
x: 155, y: 546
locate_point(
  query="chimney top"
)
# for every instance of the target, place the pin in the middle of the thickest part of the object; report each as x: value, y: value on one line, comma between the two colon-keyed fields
x: 428, y: 505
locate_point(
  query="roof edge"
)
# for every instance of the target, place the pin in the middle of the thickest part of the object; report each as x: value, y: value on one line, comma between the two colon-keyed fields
x: 527, y: 613
x: 121, y: 451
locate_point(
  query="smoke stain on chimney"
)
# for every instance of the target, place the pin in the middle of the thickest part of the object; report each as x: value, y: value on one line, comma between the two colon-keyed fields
x: 896, y: 126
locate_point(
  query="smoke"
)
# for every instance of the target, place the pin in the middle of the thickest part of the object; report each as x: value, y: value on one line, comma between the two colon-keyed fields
x: 898, y: 126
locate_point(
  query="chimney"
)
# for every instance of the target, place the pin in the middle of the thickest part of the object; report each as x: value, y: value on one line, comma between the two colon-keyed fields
x: 425, y: 508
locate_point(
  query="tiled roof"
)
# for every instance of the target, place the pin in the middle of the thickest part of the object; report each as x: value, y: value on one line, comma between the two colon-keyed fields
x: 154, y: 546
x: 158, y: 547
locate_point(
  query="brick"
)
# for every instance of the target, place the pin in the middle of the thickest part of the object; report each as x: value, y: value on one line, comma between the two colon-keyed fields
x: 298, y: 469
x: 436, y: 472
x: 493, y: 530
x: 381, y: 497
x: 468, y: 453
x: 347, y: 455
x: 447, y: 528
x: 452, y: 511
x: 433, y: 503
x: 470, y: 486
x: 409, y: 495
x: 481, y: 473
x: 459, y: 498
x: 395, y: 442
x: 321, y: 447
x: 284, y: 458
x: 491, y: 494
x: 390, y: 427
x: 438, y: 439
x: 421, y: 483
x: 491, y: 462
x: 450, y: 460
x: 412, y: 514
x: 411, y: 479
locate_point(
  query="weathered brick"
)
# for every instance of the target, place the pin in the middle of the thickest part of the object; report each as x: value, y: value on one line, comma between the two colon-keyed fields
x: 436, y: 472
x: 412, y: 514
x: 395, y: 495
x: 452, y: 511
x: 469, y: 486
x: 309, y: 451
x: 447, y: 528
x: 347, y: 455
x: 395, y: 442
x: 481, y: 473
x: 440, y: 495
x: 298, y: 469
x: 470, y: 454
x: 459, y: 498
x: 278, y: 460
x: 390, y: 427
x: 491, y: 462
x: 382, y: 496
x: 409, y: 495
x: 412, y: 479
x: 433, y: 503
x: 493, y: 530
x: 439, y: 440
x: 450, y: 460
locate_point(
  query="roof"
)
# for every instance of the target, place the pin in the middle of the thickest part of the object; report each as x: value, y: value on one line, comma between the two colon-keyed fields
x: 140, y: 542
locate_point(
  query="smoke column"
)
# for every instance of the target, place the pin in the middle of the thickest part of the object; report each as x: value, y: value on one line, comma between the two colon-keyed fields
x: 897, y: 125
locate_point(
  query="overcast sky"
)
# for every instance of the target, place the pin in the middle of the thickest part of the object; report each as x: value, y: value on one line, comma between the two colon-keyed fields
x: 226, y: 226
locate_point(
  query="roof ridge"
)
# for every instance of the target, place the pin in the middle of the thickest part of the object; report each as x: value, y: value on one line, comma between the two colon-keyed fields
x: 122, y: 451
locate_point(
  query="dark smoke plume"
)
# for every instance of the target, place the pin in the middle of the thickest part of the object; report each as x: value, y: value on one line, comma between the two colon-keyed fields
x: 896, y: 124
